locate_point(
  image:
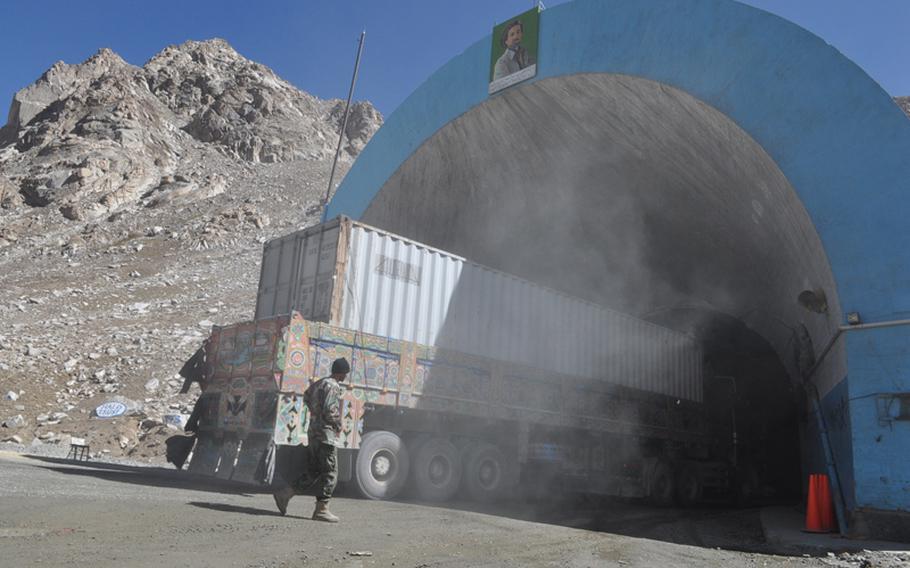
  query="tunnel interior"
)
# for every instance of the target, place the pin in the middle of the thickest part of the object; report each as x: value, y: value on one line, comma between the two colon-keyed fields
x: 639, y: 197
x: 767, y: 403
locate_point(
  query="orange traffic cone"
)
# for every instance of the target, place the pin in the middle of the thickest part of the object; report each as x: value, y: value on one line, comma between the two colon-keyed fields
x: 819, y: 509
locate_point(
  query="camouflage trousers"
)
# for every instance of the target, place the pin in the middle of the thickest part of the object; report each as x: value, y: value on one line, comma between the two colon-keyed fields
x: 321, y: 475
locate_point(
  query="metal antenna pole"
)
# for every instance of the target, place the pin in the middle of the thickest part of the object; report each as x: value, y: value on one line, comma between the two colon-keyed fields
x: 344, y: 125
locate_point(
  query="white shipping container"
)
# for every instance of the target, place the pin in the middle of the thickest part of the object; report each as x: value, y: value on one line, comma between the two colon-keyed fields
x: 358, y: 277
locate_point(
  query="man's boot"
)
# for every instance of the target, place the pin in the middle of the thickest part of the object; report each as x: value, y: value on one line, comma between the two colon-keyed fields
x: 322, y: 513
x: 282, y: 497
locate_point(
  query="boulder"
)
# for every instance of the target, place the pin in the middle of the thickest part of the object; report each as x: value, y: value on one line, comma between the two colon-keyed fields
x: 17, y: 421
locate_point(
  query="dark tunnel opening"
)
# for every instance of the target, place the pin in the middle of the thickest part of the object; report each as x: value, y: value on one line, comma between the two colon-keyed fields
x: 767, y: 403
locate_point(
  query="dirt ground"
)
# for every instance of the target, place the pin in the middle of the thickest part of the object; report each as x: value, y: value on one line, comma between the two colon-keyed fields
x: 59, y: 512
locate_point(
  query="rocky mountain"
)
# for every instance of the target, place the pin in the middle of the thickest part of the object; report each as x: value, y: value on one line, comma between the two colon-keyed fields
x: 904, y: 103
x: 93, y: 137
x: 134, y: 202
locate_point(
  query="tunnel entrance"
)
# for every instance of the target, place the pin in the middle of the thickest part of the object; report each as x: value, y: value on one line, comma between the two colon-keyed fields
x: 639, y: 197
x: 745, y: 374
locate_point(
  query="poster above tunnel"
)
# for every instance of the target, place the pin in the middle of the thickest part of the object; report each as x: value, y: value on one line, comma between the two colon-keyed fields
x: 513, y: 57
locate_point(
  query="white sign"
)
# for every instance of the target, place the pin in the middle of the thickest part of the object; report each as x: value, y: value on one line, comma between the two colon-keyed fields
x: 110, y: 410
x: 509, y: 80
x: 176, y: 420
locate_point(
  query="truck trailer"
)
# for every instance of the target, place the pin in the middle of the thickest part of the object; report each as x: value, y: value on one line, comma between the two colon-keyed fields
x: 464, y: 379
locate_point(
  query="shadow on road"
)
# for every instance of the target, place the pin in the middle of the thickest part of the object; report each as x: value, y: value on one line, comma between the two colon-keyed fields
x: 141, y: 475
x: 225, y: 508
x: 710, y: 526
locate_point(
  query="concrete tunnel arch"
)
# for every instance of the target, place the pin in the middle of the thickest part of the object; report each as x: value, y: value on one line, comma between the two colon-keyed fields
x: 729, y: 146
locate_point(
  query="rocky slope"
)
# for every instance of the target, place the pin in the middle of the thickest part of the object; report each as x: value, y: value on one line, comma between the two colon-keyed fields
x: 904, y: 103
x: 134, y: 202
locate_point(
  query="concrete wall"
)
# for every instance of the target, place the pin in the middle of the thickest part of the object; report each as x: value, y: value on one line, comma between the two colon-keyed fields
x: 879, y: 367
x: 835, y: 134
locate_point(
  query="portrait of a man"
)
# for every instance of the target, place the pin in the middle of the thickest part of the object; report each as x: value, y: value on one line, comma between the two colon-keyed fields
x: 514, y: 51
x: 515, y: 56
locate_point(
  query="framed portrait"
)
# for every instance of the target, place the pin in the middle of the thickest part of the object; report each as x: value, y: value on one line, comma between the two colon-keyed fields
x: 513, y: 57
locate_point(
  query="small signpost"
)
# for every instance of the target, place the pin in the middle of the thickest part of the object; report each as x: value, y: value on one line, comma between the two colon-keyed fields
x: 78, y: 449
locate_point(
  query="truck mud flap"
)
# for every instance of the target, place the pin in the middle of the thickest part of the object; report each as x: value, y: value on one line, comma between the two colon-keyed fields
x: 346, y: 464
x: 178, y: 449
x: 251, y: 460
x: 205, y: 456
x: 290, y: 463
x: 226, y: 458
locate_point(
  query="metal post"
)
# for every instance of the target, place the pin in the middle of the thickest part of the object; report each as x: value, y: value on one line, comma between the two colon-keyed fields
x: 344, y: 124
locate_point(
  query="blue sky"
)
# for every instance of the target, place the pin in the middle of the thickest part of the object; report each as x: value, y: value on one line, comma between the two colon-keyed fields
x: 312, y: 43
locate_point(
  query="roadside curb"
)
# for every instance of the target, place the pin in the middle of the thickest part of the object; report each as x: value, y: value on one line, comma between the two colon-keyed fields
x: 783, y: 531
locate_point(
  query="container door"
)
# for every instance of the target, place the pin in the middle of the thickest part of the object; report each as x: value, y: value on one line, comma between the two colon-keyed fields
x: 315, y: 280
x: 297, y: 273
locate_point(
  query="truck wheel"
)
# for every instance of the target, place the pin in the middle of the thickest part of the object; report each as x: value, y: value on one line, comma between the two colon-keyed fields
x: 382, y: 465
x: 689, y: 486
x: 437, y: 470
x: 661, y: 488
x: 414, y: 440
x: 486, y: 473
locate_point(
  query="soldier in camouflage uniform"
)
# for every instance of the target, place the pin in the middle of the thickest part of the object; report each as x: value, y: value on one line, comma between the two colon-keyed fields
x: 323, y: 401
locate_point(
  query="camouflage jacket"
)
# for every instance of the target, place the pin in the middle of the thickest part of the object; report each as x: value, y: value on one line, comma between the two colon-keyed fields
x: 323, y: 400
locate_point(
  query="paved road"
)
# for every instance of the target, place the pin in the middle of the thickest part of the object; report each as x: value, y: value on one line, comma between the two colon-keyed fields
x: 54, y: 512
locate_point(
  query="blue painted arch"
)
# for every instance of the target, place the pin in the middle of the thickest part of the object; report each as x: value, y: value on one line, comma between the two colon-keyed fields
x: 836, y: 135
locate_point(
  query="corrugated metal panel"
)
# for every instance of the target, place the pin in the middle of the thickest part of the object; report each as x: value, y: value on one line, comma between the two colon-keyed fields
x: 386, y: 285
x: 401, y: 289
x: 396, y: 288
x: 297, y: 273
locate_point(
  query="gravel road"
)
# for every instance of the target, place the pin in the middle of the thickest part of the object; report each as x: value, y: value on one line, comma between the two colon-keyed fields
x: 57, y: 512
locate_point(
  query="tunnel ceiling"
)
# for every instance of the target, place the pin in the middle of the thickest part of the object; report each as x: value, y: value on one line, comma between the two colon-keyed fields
x: 619, y: 190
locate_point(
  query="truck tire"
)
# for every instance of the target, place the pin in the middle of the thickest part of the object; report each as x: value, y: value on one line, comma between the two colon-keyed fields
x: 486, y: 473
x: 382, y: 465
x: 661, y: 487
x: 414, y: 440
x: 689, y: 486
x: 437, y: 470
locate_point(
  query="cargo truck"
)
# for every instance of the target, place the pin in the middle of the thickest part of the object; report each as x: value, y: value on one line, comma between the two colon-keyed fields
x: 464, y: 379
